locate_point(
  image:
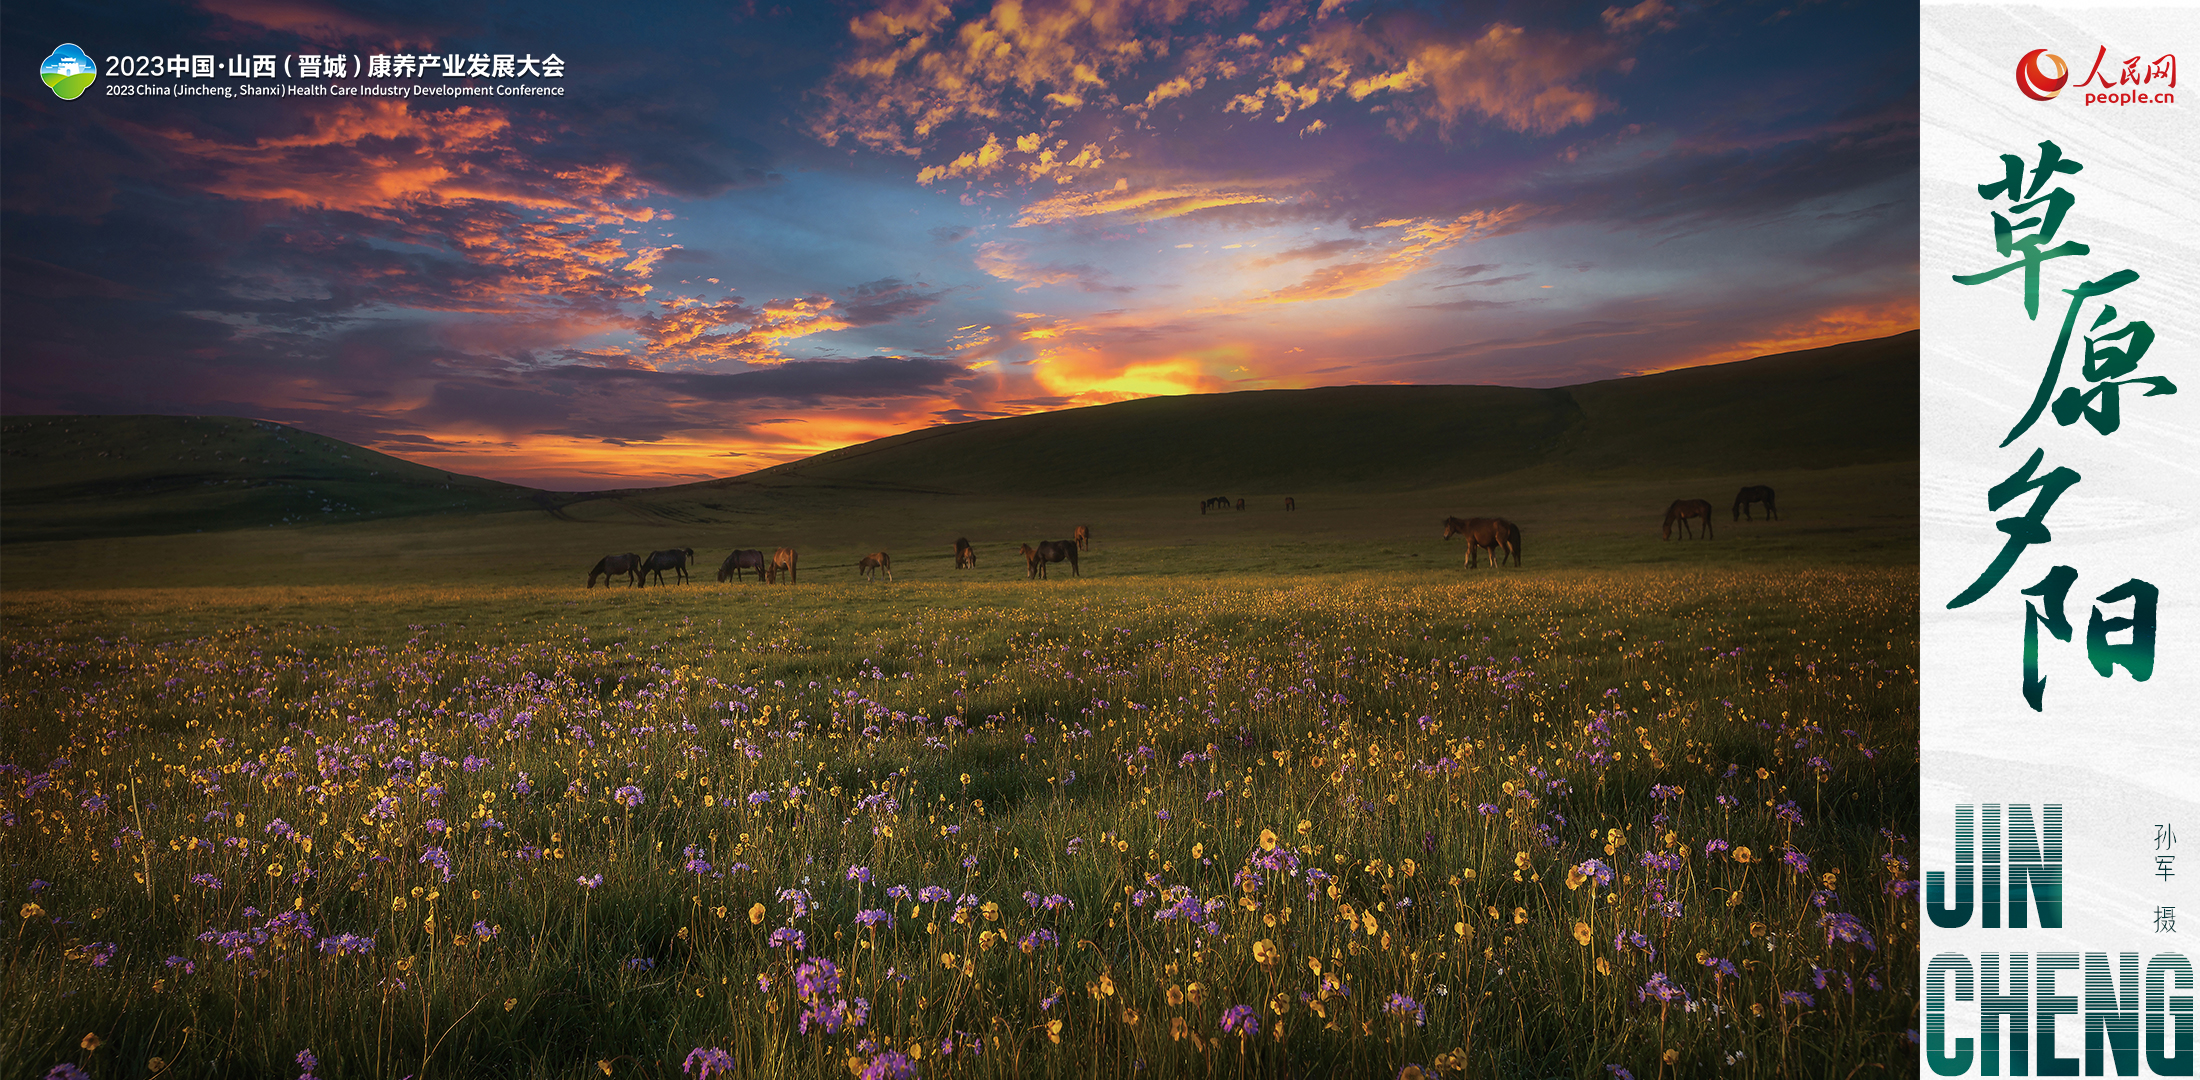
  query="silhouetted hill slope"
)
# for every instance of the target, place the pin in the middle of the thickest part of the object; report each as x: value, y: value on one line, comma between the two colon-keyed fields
x: 67, y: 477
x: 1843, y: 405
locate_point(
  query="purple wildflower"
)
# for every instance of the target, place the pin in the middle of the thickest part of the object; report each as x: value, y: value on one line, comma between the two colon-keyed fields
x: 705, y: 1060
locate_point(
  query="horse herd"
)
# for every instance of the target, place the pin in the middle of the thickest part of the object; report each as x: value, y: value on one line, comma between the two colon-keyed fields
x: 1223, y: 502
x: 638, y: 569
x: 1502, y: 537
x: 1684, y: 509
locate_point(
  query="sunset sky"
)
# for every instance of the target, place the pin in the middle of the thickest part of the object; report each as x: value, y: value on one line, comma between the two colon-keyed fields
x: 749, y: 234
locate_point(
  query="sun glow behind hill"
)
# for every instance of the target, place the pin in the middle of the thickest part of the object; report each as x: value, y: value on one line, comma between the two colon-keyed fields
x: 1826, y: 408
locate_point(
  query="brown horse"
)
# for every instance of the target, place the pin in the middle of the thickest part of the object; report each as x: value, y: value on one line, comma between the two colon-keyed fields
x: 1756, y: 493
x: 673, y: 559
x: 1051, y: 551
x: 611, y: 566
x: 1083, y: 536
x: 1290, y: 503
x: 965, y: 555
x: 741, y: 560
x: 1681, y: 511
x: 875, y: 562
x: 782, y: 559
x: 1241, y: 505
x: 1495, y: 534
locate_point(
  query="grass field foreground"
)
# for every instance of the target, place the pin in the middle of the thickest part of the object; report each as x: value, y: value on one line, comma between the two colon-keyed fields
x: 1508, y: 824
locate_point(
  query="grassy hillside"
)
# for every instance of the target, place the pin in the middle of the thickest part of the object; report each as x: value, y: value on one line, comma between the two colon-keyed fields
x: 1362, y: 460
x: 1845, y: 405
x: 67, y: 477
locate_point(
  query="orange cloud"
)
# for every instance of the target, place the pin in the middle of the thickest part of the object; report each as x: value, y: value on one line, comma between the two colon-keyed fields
x: 1143, y: 204
x: 690, y: 330
x: 449, y: 179
x: 1408, y: 254
x: 1855, y: 322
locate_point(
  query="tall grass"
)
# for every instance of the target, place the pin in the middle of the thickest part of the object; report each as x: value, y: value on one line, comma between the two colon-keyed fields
x: 1510, y: 825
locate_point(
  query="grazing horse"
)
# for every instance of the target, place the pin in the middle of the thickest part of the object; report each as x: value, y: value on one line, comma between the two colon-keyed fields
x: 965, y: 555
x: 876, y: 561
x: 1496, y: 534
x: 1083, y: 536
x: 1051, y: 551
x: 673, y: 559
x: 1681, y: 511
x: 783, y: 559
x: 740, y: 560
x: 1219, y: 502
x: 1755, y: 493
x: 1290, y: 503
x: 611, y: 566
x: 1031, y: 561
x: 1241, y: 505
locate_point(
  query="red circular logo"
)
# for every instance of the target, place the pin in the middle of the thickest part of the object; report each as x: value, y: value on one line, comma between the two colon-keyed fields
x: 2036, y: 83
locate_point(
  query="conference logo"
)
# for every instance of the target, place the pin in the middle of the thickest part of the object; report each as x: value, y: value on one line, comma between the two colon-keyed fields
x: 2033, y: 78
x: 68, y: 72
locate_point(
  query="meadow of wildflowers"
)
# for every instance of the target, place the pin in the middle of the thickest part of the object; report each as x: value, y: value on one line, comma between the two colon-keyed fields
x: 1643, y: 822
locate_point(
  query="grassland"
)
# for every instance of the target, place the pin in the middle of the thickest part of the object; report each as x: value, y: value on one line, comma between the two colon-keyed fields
x: 1261, y: 793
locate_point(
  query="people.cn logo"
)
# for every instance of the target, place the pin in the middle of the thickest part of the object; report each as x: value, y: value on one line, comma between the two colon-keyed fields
x: 2036, y: 83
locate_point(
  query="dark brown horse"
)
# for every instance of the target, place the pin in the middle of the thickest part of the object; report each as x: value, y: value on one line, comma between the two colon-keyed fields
x: 673, y: 559
x: 611, y: 566
x: 1241, y: 505
x: 1496, y: 534
x: 1756, y: 493
x: 1083, y: 536
x: 782, y: 559
x: 1219, y: 502
x: 1681, y: 511
x: 876, y: 562
x: 1290, y: 503
x: 1051, y: 551
x: 965, y: 555
x: 740, y: 560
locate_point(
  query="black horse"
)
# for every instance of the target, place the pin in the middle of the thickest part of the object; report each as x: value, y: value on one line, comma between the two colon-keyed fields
x: 1051, y: 551
x: 1756, y: 493
x: 611, y: 566
x: 1496, y: 534
x: 1219, y: 502
x: 673, y: 559
x: 742, y: 559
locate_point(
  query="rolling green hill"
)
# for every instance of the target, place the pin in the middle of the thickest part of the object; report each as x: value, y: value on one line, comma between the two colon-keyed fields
x: 72, y: 477
x: 1848, y: 405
